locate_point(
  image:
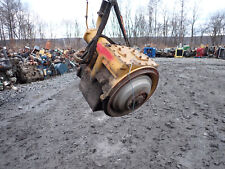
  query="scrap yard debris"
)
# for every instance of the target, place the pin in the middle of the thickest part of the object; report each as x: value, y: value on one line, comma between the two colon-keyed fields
x: 30, y: 65
x: 35, y: 64
x: 204, y: 51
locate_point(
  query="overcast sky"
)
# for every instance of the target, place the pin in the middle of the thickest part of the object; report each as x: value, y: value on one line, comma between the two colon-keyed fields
x: 55, y: 11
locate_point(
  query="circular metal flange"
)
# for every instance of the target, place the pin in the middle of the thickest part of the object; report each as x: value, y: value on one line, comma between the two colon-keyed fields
x: 131, y: 92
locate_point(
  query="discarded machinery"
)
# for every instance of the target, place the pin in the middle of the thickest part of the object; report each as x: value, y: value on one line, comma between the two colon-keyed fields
x: 179, y: 53
x: 115, y: 78
x: 221, y: 53
x: 150, y: 52
x: 7, y: 78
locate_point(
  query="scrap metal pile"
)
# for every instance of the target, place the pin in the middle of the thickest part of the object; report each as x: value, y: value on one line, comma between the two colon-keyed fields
x: 32, y: 65
x: 186, y: 51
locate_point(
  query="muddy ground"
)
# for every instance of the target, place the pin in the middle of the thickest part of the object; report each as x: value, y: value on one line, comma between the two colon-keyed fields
x: 48, y: 124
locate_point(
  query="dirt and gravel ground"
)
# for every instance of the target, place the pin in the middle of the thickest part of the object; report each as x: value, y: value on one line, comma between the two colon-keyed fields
x: 48, y: 124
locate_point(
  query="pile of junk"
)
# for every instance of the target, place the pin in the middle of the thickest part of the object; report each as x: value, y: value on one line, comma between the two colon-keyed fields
x: 30, y: 65
x: 204, y: 51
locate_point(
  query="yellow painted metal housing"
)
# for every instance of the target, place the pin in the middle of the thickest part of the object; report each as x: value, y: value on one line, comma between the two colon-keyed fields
x: 119, y: 60
x: 111, y: 72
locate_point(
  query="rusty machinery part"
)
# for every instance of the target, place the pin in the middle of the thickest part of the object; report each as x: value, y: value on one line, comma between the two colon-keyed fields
x: 5, y: 63
x: 114, y: 78
x: 29, y: 73
x: 131, y: 93
x: 121, y: 80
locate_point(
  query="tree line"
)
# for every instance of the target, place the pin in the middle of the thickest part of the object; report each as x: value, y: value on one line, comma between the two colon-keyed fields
x: 153, y: 23
x: 160, y: 25
x: 15, y: 22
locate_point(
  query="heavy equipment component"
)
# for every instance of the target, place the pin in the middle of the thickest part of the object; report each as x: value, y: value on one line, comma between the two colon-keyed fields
x: 179, y: 53
x: 115, y: 78
x: 187, y: 51
x: 221, y: 53
x: 150, y: 52
x: 7, y: 70
x: 200, y: 52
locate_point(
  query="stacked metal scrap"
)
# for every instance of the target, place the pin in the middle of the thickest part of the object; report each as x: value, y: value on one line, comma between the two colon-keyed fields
x: 186, y: 51
x: 33, y: 65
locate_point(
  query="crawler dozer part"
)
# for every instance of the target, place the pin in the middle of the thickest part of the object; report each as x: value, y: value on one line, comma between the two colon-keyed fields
x: 115, y: 78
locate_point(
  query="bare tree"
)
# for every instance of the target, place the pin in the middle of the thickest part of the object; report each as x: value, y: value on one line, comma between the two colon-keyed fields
x: 25, y: 27
x: 2, y: 30
x: 202, y: 30
x: 140, y: 26
x: 193, y: 20
x: 150, y: 17
x: 69, y: 28
x: 77, y: 32
x: 9, y: 11
x: 216, y: 27
x: 155, y: 4
x: 128, y: 21
x: 174, y: 28
x: 41, y: 30
x: 51, y: 30
x: 181, y: 26
x: 165, y: 26
x: 15, y: 22
x: 113, y: 26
